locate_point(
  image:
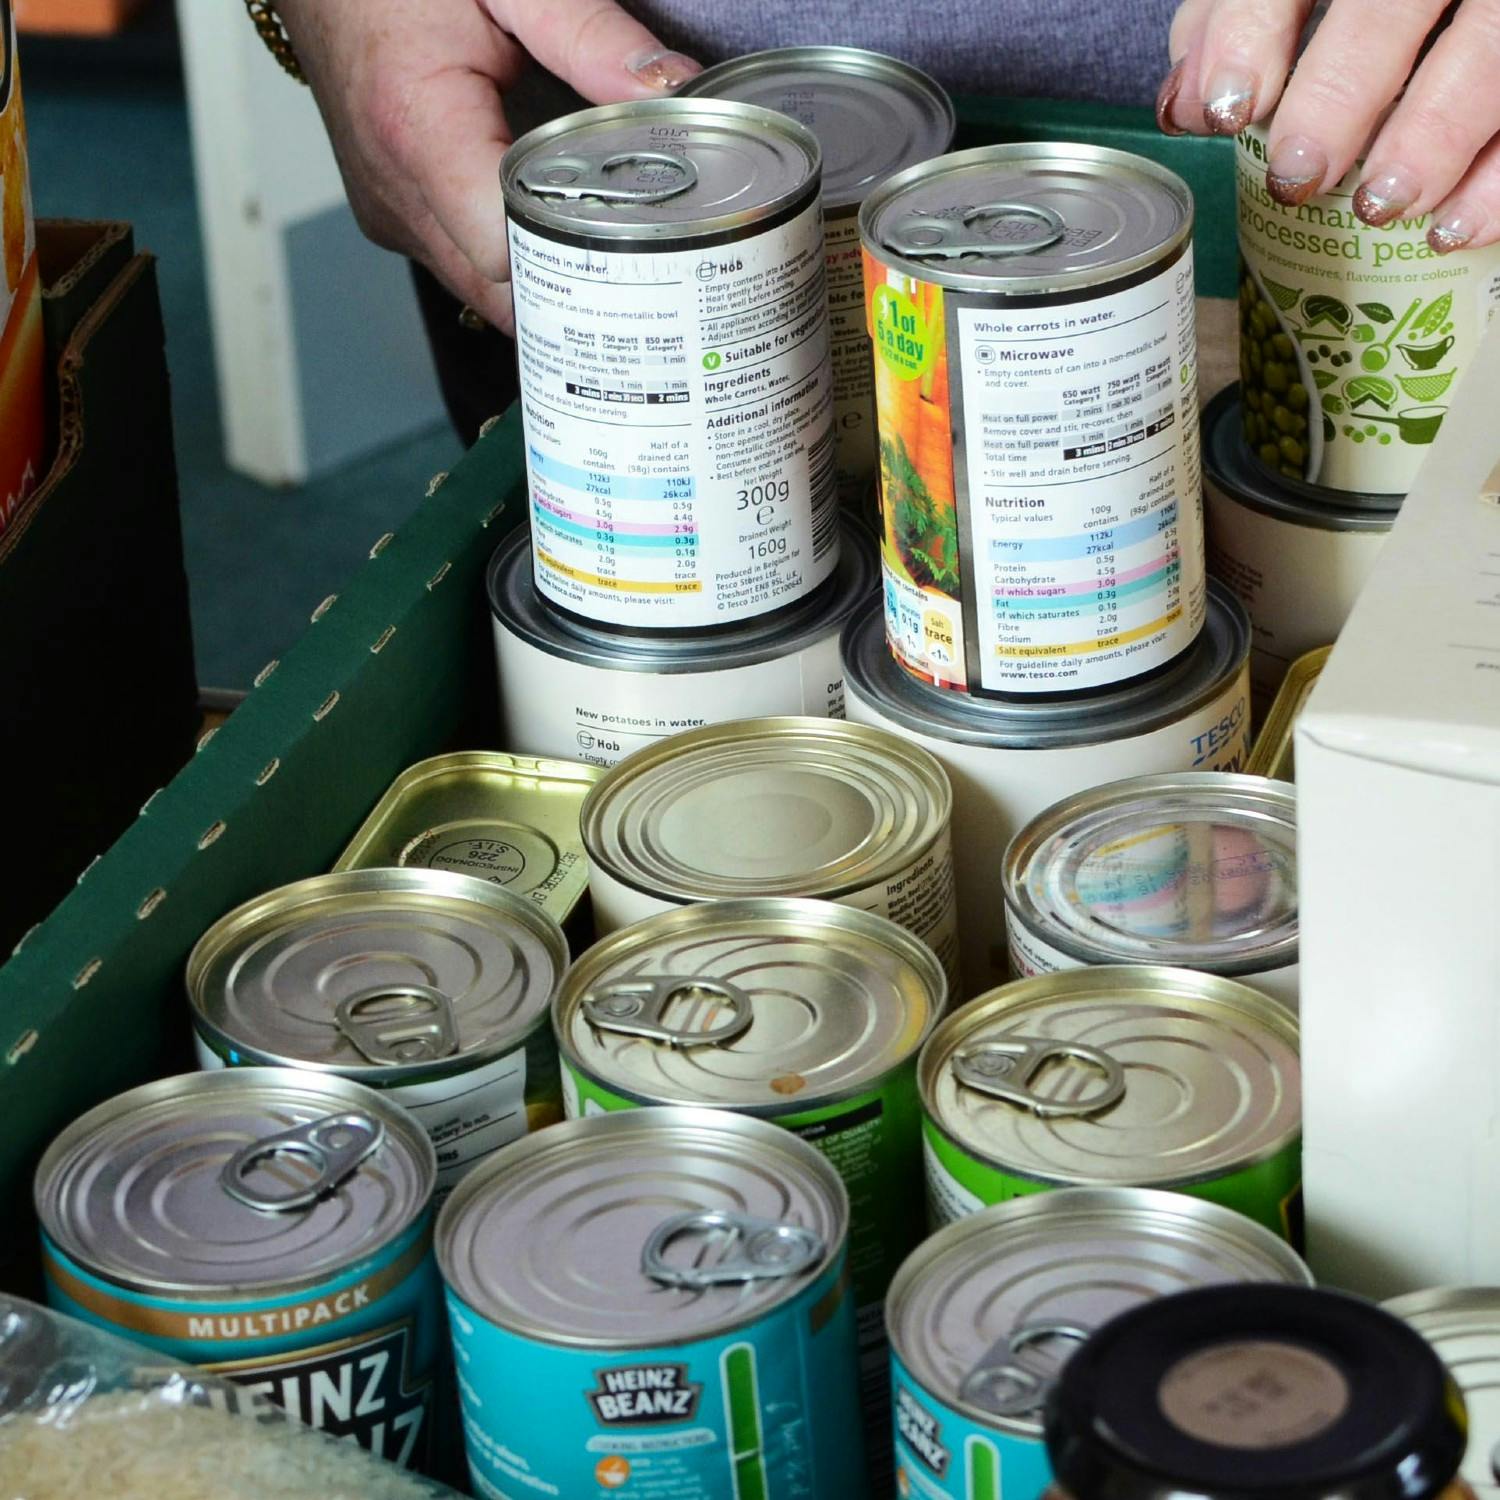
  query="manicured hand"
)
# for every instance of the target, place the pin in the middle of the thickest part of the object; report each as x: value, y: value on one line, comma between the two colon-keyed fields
x: 1435, y: 151
x: 412, y: 98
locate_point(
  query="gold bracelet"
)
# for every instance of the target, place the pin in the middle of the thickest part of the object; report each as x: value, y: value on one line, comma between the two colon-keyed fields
x: 263, y: 15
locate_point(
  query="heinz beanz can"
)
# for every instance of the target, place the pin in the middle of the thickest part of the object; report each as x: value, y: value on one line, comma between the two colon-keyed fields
x: 672, y: 330
x: 1137, y: 1076
x: 1033, y: 320
x: 985, y: 1313
x: 1007, y: 761
x: 654, y: 1303
x: 872, y: 116
x: 1351, y: 336
x: 800, y: 1012
x: 570, y: 689
x: 269, y: 1225
x: 432, y: 987
x: 1196, y: 870
x: 777, y: 807
x: 1296, y: 563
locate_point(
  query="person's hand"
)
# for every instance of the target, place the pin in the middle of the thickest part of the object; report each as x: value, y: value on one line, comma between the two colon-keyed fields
x: 411, y: 95
x: 1437, y: 152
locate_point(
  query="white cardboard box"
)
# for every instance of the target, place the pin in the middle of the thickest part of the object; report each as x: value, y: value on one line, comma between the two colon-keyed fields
x: 1398, y: 783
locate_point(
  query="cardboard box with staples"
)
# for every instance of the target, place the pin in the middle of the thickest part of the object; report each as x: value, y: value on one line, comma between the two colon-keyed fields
x: 1398, y: 776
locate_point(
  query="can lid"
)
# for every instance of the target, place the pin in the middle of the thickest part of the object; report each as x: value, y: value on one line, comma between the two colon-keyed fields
x: 768, y: 1006
x: 987, y: 1311
x: 249, y: 1179
x: 1027, y: 217
x: 1463, y: 1325
x: 518, y: 609
x: 766, y: 807
x: 660, y: 169
x: 385, y: 974
x: 1120, y: 1073
x: 1231, y: 468
x: 1197, y: 869
x: 1214, y: 660
x: 872, y: 114
x: 643, y: 1228
x: 1241, y: 1392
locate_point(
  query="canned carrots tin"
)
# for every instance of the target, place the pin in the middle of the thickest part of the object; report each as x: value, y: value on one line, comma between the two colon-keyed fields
x: 1032, y: 313
x: 271, y: 1225
x: 1137, y: 1076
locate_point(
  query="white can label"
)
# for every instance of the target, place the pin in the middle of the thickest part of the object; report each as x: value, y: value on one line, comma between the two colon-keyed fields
x: 553, y: 707
x: 853, y: 372
x: 1081, y: 444
x: 1029, y: 955
x: 679, y: 425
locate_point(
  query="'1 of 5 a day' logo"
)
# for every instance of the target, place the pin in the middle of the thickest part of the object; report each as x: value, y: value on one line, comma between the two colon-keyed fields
x: 640, y: 1394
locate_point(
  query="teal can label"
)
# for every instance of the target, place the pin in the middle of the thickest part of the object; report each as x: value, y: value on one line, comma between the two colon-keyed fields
x: 1268, y: 1191
x: 766, y: 1411
x: 944, y: 1455
x: 356, y: 1356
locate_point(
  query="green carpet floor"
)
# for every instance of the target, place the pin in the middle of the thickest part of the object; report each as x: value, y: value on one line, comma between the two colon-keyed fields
x: 109, y: 139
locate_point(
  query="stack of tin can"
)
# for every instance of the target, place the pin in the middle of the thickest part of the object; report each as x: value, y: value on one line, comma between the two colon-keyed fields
x: 1352, y: 338
x: 698, y: 398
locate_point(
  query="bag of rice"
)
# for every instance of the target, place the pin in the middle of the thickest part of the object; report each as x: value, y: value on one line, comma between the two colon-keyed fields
x: 83, y: 1412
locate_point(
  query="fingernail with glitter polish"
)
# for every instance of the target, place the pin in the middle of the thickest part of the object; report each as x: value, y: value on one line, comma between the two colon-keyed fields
x: 1166, y: 98
x: 662, y: 70
x: 1384, y: 193
x: 1228, y: 100
x: 1296, y: 170
x: 1456, y: 228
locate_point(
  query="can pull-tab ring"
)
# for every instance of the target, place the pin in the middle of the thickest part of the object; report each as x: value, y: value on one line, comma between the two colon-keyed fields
x: 581, y: 175
x: 1006, y: 1067
x: 738, y: 1248
x: 990, y: 230
x: 1000, y: 1385
x: 333, y: 1146
x: 399, y: 1023
x: 642, y: 1006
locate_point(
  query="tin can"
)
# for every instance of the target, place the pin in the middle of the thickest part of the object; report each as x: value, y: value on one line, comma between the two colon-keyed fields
x: 1274, y: 752
x: 272, y: 1226
x: 873, y: 116
x: 1138, y: 1076
x: 777, y: 807
x: 668, y: 1289
x: 1296, y: 564
x: 432, y: 988
x: 1463, y: 1325
x: 1006, y: 762
x: 567, y: 689
x: 984, y: 1314
x: 22, y: 356
x: 1359, y: 331
x: 508, y: 819
x: 1032, y: 313
x: 667, y: 263
x: 800, y: 1012
x: 1196, y: 870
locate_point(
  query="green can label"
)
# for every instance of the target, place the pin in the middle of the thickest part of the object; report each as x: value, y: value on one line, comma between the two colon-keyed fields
x: 1351, y: 337
x: 958, y: 1184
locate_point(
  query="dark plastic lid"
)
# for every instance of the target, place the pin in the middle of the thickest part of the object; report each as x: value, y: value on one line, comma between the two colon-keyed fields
x: 1248, y: 1392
